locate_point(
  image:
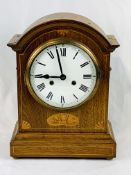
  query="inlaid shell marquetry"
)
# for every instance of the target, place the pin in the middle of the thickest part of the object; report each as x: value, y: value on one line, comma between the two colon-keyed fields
x: 63, y: 119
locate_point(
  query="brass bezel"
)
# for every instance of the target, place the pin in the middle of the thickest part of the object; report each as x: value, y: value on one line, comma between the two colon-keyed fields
x: 50, y: 43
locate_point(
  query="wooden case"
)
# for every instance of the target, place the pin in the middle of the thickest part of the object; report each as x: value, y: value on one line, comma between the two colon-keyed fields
x: 92, y: 135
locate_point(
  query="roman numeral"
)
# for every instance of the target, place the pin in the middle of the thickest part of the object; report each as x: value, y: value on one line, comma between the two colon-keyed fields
x: 76, y: 54
x: 49, y: 96
x: 84, y: 64
x: 75, y: 96
x: 63, y: 51
x: 87, y: 76
x: 62, y: 99
x: 83, y: 88
x: 41, y: 87
x: 50, y: 54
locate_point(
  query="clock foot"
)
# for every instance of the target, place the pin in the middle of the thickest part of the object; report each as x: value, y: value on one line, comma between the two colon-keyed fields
x: 75, y: 145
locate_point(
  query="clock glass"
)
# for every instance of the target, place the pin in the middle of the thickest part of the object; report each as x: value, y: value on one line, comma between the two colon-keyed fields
x: 62, y: 75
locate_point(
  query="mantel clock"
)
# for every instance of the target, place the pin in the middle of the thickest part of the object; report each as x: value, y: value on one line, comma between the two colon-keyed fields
x: 63, y: 69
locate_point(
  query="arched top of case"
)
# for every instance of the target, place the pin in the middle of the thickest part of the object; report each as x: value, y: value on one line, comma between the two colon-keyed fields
x: 18, y: 41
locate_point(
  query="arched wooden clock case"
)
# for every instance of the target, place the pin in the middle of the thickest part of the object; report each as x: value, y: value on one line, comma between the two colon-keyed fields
x: 44, y: 132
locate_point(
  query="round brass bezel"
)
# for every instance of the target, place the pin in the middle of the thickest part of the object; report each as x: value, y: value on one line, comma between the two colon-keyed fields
x: 39, y: 49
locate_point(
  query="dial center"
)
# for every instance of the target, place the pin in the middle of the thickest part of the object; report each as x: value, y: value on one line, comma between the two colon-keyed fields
x: 63, y: 77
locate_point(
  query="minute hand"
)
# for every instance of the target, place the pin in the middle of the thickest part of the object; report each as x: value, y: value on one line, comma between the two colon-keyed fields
x: 58, y: 57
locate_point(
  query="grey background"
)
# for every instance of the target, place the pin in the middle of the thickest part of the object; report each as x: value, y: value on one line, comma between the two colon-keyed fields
x: 114, y: 17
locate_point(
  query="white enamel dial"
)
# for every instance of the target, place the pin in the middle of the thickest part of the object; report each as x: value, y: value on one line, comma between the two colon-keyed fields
x: 63, y: 75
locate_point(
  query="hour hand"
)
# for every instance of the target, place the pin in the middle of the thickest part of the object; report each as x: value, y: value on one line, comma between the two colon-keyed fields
x: 39, y: 76
x: 46, y: 76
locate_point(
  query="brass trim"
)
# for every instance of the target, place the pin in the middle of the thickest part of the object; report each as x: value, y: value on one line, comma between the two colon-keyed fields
x: 39, y: 49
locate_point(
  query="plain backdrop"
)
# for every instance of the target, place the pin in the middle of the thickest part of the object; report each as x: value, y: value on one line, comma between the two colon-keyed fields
x: 114, y: 17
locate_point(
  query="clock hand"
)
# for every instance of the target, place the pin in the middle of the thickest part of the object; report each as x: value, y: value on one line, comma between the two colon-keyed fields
x: 58, y: 57
x: 54, y: 76
x: 46, y: 76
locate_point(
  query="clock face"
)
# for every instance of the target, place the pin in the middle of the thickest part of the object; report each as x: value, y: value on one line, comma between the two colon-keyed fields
x: 62, y: 75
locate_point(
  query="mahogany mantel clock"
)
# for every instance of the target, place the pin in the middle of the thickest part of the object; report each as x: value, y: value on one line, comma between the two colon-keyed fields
x: 63, y: 68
